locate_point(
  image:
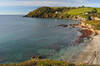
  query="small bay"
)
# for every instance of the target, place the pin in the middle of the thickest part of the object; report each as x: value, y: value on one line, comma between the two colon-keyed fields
x: 21, y: 38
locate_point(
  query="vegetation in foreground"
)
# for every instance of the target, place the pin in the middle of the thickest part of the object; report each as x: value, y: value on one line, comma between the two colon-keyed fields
x: 44, y: 62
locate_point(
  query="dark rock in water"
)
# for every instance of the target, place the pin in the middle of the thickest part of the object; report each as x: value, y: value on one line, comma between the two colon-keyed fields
x: 63, y: 25
x: 39, y: 57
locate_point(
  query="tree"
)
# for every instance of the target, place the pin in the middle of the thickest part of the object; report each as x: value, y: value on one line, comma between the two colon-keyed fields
x: 83, y: 6
x: 94, y: 10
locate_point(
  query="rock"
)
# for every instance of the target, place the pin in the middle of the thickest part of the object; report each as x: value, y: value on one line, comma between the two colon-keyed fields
x: 39, y: 57
x: 85, y: 33
x: 63, y: 25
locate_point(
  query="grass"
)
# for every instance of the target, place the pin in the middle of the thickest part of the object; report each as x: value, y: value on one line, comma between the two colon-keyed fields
x: 37, y: 62
x: 78, y: 11
x: 94, y: 23
x: 98, y: 9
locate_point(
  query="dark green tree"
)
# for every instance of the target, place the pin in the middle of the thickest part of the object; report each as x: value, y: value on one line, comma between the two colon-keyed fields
x: 94, y: 10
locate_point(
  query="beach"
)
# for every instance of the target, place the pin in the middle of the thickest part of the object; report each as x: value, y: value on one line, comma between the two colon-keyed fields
x: 91, y: 54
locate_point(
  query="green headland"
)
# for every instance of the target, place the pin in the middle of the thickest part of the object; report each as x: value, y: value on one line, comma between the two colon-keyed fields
x: 88, y: 15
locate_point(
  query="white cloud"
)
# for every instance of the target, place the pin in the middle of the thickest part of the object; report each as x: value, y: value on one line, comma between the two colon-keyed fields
x: 12, y: 13
x: 21, y: 3
x: 93, y: 5
x: 42, y: 3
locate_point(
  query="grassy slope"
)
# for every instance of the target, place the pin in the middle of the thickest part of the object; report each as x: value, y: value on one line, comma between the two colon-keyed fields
x: 78, y: 11
x: 62, y: 11
x: 98, y: 9
x: 48, y: 12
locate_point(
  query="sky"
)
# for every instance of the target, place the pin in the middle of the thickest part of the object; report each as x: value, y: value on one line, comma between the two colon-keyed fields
x: 9, y: 7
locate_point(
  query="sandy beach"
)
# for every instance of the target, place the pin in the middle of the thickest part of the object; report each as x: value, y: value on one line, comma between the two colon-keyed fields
x: 91, y: 54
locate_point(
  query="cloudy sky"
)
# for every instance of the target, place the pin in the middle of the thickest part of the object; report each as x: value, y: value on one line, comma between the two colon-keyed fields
x: 24, y: 6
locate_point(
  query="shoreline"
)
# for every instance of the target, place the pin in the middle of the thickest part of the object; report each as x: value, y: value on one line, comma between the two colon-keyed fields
x: 88, y: 53
x: 91, y: 48
x: 87, y: 30
x: 83, y: 29
x: 87, y: 35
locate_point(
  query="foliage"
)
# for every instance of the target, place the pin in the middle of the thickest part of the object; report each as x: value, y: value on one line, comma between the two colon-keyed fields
x: 40, y: 11
x: 49, y: 12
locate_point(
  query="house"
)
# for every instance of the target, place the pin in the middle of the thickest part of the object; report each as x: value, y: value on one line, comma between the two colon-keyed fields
x: 56, y: 12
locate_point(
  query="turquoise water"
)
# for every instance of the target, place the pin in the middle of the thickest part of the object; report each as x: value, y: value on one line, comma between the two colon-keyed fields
x: 21, y: 38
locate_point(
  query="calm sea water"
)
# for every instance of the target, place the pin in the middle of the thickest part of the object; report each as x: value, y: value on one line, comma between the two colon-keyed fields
x: 21, y: 38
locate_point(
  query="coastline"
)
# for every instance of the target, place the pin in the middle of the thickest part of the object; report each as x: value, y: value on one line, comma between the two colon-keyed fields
x: 90, y: 54
x: 83, y: 29
x: 88, y: 31
x: 84, y: 40
x: 87, y: 54
x: 91, y: 48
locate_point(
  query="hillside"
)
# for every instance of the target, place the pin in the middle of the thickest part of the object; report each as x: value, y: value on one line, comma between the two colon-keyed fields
x: 88, y: 15
x: 48, y: 12
x: 63, y: 12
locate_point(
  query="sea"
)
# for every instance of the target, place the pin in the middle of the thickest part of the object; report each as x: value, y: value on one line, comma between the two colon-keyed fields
x: 23, y: 37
